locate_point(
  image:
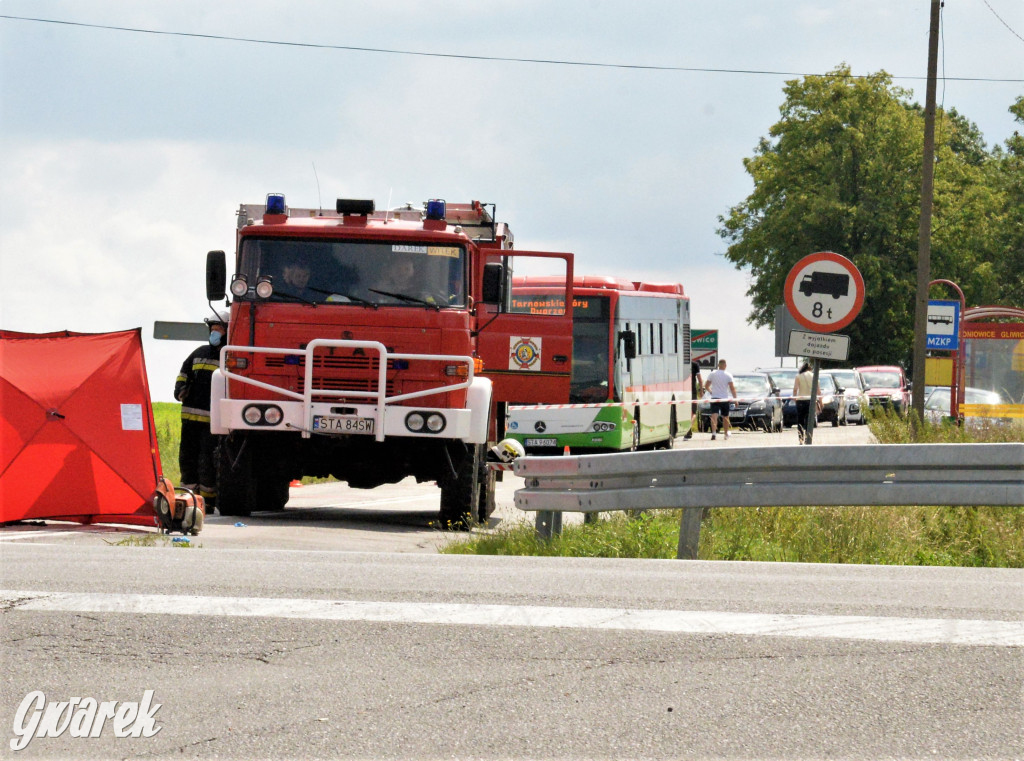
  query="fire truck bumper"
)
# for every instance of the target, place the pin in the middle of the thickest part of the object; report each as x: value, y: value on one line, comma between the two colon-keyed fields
x: 335, y: 419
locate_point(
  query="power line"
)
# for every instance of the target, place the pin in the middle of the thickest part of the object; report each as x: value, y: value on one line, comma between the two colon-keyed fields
x: 460, y: 56
x: 1001, y: 21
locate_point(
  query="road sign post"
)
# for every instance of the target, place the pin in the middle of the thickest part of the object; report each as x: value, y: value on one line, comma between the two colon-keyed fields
x: 824, y: 292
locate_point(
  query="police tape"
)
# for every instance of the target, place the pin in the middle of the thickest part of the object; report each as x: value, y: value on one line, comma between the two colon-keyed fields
x: 522, y: 407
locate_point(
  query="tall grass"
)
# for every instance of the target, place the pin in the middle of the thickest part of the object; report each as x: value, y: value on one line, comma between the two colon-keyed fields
x: 167, y: 416
x: 953, y: 536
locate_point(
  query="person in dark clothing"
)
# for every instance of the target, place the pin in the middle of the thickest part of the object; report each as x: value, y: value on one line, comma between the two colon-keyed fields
x: 696, y: 387
x: 197, y: 454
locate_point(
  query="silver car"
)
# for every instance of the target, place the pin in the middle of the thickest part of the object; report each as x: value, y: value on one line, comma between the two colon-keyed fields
x: 937, y: 406
x: 853, y: 387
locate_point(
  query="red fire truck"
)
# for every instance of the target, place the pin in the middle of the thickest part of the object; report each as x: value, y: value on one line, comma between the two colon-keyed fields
x: 372, y: 346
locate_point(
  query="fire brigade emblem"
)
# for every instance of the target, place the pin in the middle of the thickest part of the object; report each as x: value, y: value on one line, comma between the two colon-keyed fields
x: 524, y: 353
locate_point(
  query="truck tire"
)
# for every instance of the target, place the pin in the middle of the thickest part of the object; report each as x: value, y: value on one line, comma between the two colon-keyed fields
x: 236, y: 488
x: 460, y: 491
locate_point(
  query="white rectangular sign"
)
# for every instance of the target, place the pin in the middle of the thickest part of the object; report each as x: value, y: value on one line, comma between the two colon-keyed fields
x: 820, y: 345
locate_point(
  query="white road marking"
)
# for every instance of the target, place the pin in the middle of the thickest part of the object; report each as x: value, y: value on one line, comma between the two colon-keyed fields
x: 880, y: 629
x: 15, y: 536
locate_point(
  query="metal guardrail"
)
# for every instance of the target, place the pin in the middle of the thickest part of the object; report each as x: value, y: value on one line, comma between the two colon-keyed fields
x: 878, y: 474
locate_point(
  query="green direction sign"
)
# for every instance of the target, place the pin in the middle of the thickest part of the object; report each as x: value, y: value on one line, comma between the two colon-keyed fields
x: 703, y: 340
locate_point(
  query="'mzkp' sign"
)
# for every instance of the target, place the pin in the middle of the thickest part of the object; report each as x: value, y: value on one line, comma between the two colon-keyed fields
x: 943, y: 325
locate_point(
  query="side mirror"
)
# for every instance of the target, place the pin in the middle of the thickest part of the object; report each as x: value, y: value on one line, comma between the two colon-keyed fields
x: 216, y: 274
x: 494, y: 284
x: 628, y: 338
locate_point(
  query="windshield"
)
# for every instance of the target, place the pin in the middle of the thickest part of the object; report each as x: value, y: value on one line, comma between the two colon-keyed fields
x: 881, y: 378
x: 826, y: 384
x: 361, y: 272
x: 751, y: 385
x: 590, y: 353
x: 847, y: 379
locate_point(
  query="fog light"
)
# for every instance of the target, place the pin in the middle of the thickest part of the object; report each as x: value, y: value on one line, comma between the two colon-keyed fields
x: 252, y: 415
x: 414, y: 422
x: 239, y: 286
x: 273, y: 415
x: 265, y: 286
x: 435, y: 422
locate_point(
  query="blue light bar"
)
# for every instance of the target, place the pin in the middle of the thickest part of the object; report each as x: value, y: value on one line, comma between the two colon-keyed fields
x: 435, y: 208
x: 275, y: 203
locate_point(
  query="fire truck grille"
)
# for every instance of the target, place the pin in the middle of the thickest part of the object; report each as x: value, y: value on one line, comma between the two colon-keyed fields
x: 346, y: 384
x: 369, y: 364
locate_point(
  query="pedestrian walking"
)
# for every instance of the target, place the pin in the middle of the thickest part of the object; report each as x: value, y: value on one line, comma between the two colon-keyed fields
x: 722, y: 389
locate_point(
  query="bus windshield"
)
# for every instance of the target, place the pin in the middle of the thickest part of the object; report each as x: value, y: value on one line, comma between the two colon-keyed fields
x: 318, y: 271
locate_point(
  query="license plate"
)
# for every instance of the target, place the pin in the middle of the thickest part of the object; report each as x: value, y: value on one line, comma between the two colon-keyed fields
x: 542, y: 442
x: 335, y: 424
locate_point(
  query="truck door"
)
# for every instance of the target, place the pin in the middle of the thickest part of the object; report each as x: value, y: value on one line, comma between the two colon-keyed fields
x: 527, y: 350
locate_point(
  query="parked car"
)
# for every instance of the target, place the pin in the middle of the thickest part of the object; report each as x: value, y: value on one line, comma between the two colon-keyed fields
x: 832, y: 408
x: 783, y: 378
x: 757, y: 404
x: 851, y: 386
x: 886, y: 387
x: 937, y: 406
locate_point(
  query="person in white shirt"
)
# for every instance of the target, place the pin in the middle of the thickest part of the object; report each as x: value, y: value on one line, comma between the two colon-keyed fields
x: 721, y: 387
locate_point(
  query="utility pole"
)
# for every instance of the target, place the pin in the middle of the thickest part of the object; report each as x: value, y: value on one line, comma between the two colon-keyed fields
x: 924, y: 244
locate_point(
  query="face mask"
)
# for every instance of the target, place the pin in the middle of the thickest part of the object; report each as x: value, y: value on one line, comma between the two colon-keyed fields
x: 215, y: 338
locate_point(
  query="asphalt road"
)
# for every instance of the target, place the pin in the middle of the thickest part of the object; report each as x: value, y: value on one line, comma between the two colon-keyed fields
x: 310, y: 654
x: 274, y: 639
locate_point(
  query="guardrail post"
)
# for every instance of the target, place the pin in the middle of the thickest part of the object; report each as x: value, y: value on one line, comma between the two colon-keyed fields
x: 689, y: 533
x: 548, y: 524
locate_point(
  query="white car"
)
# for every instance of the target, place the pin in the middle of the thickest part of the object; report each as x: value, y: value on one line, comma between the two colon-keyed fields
x: 937, y: 405
x: 856, y: 401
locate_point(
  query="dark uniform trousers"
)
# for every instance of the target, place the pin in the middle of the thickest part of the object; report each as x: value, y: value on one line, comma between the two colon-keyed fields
x: 197, y: 455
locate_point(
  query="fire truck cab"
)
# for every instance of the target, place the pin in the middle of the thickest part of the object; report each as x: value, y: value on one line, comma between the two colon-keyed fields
x: 372, y: 346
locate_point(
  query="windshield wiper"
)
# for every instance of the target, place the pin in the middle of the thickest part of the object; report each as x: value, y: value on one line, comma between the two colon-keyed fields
x: 404, y: 297
x: 348, y: 296
x: 293, y: 296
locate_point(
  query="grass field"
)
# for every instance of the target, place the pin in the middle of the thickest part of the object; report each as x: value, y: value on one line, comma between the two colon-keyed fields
x: 167, y: 416
x: 952, y: 536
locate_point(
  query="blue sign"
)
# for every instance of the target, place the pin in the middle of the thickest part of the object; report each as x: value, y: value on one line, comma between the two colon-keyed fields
x: 944, y: 325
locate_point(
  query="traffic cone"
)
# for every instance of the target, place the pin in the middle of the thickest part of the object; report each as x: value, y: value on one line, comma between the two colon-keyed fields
x: 295, y: 484
x: 565, y: 452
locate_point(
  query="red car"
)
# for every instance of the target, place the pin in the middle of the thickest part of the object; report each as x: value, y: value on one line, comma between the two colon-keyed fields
x: 886, y: 386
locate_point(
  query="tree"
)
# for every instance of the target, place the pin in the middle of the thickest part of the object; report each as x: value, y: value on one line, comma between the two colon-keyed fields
x: 1009, y: 178
x: 841, y: 172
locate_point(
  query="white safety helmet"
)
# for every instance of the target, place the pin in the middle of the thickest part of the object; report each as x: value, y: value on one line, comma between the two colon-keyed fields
x: 221, y: 318
x: 508, y: 450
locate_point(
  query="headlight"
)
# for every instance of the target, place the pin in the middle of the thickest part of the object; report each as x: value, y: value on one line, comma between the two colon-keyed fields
x: 239, y: 286
x: 897, y: 396
x: 262, y: 414
x: 264, y: 287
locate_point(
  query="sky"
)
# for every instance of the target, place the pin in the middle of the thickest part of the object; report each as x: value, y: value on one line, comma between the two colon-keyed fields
x: 124, y: 154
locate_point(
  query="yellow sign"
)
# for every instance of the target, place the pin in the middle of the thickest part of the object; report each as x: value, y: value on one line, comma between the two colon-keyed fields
x: 992, y: 410
x: 451, y: 252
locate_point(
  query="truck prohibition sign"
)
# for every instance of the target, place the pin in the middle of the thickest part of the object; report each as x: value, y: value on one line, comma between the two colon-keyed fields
x: 824, y: 292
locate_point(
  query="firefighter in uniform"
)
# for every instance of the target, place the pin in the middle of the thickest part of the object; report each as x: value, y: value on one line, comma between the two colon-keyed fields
x: 197, y: 455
